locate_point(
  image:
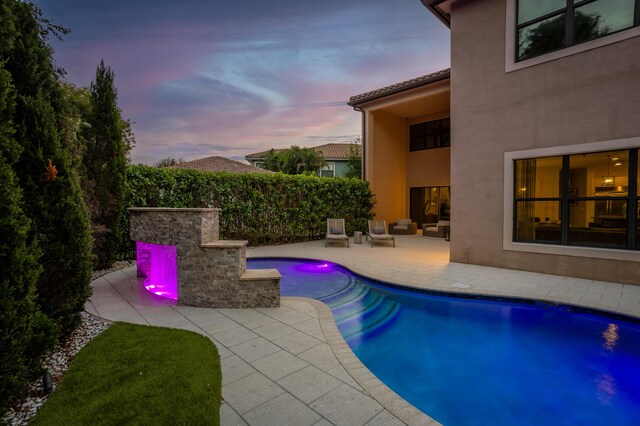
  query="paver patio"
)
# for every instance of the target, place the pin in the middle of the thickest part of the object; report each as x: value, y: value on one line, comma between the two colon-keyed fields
x: 290, y: 365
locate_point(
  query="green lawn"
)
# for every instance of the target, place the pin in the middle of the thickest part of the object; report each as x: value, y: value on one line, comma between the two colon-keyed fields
x: 134, y: 374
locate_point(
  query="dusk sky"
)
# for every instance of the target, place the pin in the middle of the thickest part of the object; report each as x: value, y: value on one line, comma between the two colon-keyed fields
x: 229, y: 78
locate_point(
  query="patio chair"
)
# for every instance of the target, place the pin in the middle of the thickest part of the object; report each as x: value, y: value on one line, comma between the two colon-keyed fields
x: 435, y: 229
x: 403, y: 227
x: 378, y: 232
x: 336, y: 232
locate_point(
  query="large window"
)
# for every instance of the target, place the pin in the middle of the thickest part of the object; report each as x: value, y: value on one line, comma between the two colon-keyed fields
x: 547, y: 25
x: 590, y: 199
x: 432, y: 134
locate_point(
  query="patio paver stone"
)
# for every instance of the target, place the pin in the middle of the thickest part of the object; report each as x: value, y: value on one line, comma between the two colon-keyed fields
x: 290, y: 365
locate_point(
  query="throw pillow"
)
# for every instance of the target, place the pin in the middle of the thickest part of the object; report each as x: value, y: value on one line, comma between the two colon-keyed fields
x: 378, y: 229
x: 335, y: 230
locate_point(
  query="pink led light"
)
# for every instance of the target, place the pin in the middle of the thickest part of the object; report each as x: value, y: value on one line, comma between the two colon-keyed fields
x: 159, y: 264
x: 318, y: 268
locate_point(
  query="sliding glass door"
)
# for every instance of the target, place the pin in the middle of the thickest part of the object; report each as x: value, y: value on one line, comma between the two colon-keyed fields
x: 430, y: 204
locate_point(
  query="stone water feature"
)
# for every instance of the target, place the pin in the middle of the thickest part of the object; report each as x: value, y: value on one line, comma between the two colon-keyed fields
x: 180, y: 251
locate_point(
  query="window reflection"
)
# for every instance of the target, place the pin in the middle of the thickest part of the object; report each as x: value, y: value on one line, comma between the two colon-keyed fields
x: 542, y: 24
x: 602, y: 17
x: 541, y: 37
x: 531, y: 9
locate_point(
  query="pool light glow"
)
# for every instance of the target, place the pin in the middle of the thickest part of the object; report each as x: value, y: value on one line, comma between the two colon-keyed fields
x: 159, y: 264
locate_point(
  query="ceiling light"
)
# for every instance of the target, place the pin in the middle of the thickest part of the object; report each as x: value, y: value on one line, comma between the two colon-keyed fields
x: 608, y: 180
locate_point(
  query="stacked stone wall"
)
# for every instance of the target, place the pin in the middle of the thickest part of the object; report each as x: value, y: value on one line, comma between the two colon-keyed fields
x: 211, y: 273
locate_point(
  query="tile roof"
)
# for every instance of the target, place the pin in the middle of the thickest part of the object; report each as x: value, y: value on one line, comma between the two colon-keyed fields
x: 330, y: 151
x: 219, y: 164
x: 400, y: 87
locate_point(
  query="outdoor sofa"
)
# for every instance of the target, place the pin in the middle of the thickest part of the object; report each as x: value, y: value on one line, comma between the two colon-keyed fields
x: 403, y: 227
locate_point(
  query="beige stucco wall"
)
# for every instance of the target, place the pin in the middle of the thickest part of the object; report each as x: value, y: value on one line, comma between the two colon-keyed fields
x: 428, y: 168
x: 387, y: 162
x: 588, y: 97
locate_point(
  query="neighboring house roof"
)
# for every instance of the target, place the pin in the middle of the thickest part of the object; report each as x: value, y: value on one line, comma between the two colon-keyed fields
x: 400, y: 87
x: 329, y: 151
x: 219, y: 164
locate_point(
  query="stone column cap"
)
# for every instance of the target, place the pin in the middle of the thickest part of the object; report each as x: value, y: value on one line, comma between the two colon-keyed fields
x: 260, y: 274
x: 225, y: 244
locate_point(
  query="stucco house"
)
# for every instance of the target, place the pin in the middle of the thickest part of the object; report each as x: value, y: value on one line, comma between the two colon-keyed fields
x: 542, y: 154
x: 335, y: 154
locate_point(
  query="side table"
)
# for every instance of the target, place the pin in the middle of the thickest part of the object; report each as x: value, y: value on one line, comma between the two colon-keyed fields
x: 357, y: 237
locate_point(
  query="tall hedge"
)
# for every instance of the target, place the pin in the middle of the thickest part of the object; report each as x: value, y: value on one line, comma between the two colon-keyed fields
x: 18, y: 259
x: 45, y: 168
x: 259, y: 207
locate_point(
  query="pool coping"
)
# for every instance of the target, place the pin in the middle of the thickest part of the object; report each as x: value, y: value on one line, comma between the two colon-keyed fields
x: 369, y: 382
x: 573, y: 307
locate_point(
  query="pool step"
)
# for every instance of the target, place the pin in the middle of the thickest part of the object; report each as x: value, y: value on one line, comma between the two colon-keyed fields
x: 359, y: 310
x: 345, y: 296
x: 360, y: 307
x: 357, y: 327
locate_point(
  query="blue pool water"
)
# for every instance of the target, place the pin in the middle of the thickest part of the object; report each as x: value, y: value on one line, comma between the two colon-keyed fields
x: 476, y: 361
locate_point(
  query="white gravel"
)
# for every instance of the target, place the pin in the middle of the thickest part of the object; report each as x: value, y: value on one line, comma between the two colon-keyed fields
x: 120, y: 264
x: 57, y: 362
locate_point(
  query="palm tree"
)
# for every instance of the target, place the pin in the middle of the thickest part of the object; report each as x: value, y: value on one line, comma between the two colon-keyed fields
x: 273, y: 161
x: 300, y: 160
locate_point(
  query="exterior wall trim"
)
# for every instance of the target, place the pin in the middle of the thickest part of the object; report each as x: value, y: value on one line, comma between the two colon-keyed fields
x: 510, y: 39
x: 507, y: 234
x: 407, y: 96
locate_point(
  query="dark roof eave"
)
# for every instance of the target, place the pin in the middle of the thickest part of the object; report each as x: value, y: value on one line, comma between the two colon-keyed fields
x: 432, y: 5
x: 436, y: 78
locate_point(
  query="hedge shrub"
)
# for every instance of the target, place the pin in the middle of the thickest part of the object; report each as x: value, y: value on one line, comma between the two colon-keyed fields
x: 261, y: 208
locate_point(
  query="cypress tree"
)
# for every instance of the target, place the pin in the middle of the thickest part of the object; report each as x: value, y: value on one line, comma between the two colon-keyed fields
x: 18, y: 259
x: 52, y: 196
x: 105, y: 165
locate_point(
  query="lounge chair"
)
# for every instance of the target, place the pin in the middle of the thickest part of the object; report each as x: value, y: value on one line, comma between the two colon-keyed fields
x: 378, y: 232
x: 336, y: 232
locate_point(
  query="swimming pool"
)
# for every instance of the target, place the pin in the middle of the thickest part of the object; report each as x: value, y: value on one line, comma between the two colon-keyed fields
x: 466, y: 361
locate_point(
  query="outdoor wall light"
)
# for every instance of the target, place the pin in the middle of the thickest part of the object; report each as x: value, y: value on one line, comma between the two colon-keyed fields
x: 47, y: 383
